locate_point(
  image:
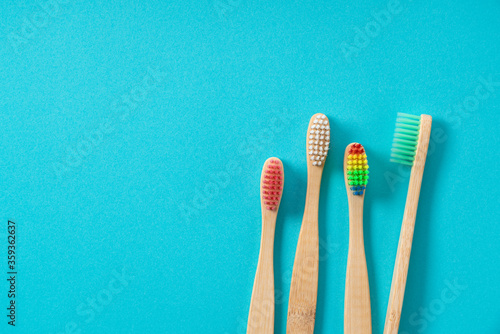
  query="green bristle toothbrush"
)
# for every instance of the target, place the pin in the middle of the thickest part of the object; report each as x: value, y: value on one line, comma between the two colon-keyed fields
x: 411, y: 140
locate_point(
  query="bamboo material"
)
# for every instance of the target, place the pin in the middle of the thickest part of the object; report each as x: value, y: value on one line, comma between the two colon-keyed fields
x: 399, y: 277
x: 261, y: 315
x: 357, y: 311
x: 304, y: 285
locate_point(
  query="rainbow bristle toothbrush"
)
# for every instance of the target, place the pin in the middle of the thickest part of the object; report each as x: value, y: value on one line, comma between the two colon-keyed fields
x: 261, y: 315
x: 304, y: 286
x: 411, y: 140
x: 357, y: 312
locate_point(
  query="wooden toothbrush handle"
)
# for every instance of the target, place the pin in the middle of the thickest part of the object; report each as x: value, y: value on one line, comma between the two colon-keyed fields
x: 393, y: 315
x: 357, y: 310
x: 304, y: 286
x: 261, y: 315
x: 400, y: 274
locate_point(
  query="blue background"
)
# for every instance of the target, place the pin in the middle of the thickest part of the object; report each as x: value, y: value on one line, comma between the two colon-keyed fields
x: 184, y: 101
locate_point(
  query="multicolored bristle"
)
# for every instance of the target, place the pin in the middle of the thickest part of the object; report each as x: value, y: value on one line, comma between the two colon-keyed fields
x: 272, y: 183
x: 318, y: 139
x: 357, y: 169
x: 404, y: 146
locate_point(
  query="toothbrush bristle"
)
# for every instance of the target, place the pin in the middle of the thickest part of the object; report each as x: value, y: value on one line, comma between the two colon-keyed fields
x: 318, y: 140
x: 357, y: 169
x: 272, y: 186
x: 404, y: 146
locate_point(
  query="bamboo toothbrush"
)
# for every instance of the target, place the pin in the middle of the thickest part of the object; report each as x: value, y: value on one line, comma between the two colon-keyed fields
x: 261, y: 315
x: 304, y: 286
x: 411, y: 140
x: 357, y: 313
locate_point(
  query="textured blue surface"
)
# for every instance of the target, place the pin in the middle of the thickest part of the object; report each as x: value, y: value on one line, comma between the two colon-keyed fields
x: 133, y: 137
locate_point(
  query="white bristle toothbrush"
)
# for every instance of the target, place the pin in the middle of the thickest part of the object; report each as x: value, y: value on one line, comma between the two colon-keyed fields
x: 357, y: 312
x: 261, y: 315
x: 411, y: 140
x: 304, y: 286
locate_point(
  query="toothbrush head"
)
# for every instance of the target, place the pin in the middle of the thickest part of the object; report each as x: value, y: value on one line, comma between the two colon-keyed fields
x: 404, y: 145
x: 271, y: 184
x: 356, y: 169
x: 318, y: 140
